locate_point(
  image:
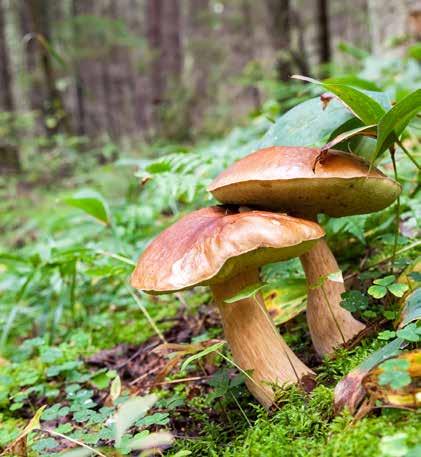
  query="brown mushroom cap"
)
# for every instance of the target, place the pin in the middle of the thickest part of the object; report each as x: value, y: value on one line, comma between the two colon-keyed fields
x: 283, y: 178
x: 212, y: 244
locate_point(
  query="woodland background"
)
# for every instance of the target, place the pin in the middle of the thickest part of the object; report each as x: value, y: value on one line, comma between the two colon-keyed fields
x: 143, y: 69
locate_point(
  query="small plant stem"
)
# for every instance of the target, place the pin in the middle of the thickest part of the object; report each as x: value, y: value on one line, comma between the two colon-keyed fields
x: 409, y: 155
x: 241, y: 409
x: 147, y: 315
x: 398, y: 208
x: 72, y: 440
x: 121, y: 258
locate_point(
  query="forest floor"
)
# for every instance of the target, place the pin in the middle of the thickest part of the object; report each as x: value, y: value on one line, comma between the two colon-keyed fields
x: 106, y: 342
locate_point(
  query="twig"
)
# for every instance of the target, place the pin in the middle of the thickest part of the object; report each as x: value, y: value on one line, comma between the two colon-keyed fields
x: 147, y: 315
x: 72, y: 440
x: 177, y: 381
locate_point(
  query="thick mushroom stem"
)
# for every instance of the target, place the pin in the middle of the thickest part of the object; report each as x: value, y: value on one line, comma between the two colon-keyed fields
x: 254, y: 340
x: 330, y: 324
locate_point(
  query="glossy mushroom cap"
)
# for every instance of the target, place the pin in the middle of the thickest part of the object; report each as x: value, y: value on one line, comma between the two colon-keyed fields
x: 213, y: 244
x: 283, y: 178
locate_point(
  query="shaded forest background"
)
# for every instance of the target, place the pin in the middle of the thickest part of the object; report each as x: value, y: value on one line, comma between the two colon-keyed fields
x: 143, y: 69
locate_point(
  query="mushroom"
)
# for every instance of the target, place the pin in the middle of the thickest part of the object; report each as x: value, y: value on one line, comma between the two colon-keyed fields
x: 224, y: 248
x: 306, y: 182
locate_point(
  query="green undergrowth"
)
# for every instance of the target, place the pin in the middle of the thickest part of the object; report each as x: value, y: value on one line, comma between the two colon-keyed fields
x: 304, y: 424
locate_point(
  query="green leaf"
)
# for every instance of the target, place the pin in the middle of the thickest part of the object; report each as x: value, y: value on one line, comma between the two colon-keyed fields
x: 393, y: 123
x: 386, y: 335
x: 285, y: 298
x: 395, y: 373
x: 386, y: 281
x: 391, y: 349
x: 336, y: 276
x: 394, y: 446
x: 353, y: 81
x: 363, y: 106
x: 201, y: 354
x: 100, y: 380
x: 410, y: 333
x: 354, y: 300
x: 366, y: 130
x: 307, y: 124
x: 92, y: 203
x: 398, y: 290
x: 247, y: 292
x: 377, y: 291
x: 129, y: 412
x: 412, y: 308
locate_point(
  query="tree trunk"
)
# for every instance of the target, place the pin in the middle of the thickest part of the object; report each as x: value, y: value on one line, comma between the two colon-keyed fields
x: 280, y: 16
x: 91, y: 93
x: 199, y: 47
x: 6, y: 96
x: 41, y: 31
x: 249, y: 48
x: 323, y: 31
x: 172, y: 52
x: 155, y: 40
x: 390, y: 20
x: 35, y: 88
x: 9, y: 152
x: 139, y: 80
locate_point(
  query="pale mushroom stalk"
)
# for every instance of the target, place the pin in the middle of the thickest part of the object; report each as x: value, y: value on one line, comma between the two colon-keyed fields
x: 254, y: 340
x: 328, y: 322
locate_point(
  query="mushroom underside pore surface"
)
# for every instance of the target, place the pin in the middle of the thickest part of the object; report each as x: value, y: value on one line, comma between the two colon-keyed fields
x: 330, y: 325
x: 255, y: 343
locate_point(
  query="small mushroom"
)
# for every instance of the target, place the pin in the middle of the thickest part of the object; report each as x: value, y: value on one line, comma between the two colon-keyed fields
x: 224, y: 248
x: 304, y: 182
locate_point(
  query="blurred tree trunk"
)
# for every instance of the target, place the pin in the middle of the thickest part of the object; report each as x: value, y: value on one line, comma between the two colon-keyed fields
x: 79, y: 101
x: 154, y: 38
x: 172, y: 52
x: 391, y: 24
x: 249, y: 48
x: 6, y: 96
x: 91, y: 81
x: 323, y: 31
x: 199, y: 44
x: 280, y: 17
x: 34, y: 86
x: 140, y: 83
x: 54, y: 107
x: 9, y: 152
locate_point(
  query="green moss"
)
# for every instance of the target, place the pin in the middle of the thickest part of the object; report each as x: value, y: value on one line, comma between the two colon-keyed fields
x: 305, y: 426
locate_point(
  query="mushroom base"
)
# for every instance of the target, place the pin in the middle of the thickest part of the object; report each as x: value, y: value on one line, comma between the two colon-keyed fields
x: 255, y: 343
x: 330, y: 324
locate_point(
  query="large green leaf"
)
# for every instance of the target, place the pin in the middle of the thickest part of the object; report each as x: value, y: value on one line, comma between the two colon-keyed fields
x: 92, y: 203
x: 247, y: 292
x: 412, y: 308
x: 364, y: 106
x: 393, y: 123
x: 307, y: 124
x: 285, y: 298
